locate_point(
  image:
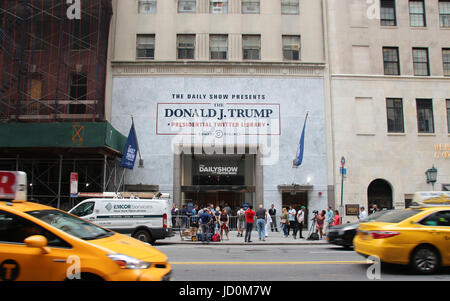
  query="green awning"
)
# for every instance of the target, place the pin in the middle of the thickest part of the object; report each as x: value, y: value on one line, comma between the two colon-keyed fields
x: 72, y: 135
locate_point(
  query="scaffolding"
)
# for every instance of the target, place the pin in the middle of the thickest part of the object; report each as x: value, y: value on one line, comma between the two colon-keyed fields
x: 49, y: 181
x: 53, y: 68
x: 52, y: 95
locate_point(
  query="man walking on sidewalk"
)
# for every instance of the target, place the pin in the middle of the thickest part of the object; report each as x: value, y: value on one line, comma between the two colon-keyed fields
x: 273, y: 216
x: 249, y: 218
x: 261, y: 222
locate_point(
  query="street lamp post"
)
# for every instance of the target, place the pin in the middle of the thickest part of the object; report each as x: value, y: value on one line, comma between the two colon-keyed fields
x: 431, y: 175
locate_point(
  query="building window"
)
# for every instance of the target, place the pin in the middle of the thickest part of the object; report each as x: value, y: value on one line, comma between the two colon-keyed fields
x: 186, y: 46
x: 448, y: 115
x: 80, y: 35
x: 446, y: 61
x: 77, y: 91
x: 387, y: 13
x: 444, y: 13
x: 250, y: 6
x: 218, y: 47
x: 391, y: 61
x: 420, y: 59
x: 417, y: 13
x: 289, y: 7
x: 186, y: 6
x: 425, y: 120
x: 291, y: 48
x: 218, y: 6
x: 251, y: 47
x: 147, y: 6
x: 394, y: 107
x: 145, y: 46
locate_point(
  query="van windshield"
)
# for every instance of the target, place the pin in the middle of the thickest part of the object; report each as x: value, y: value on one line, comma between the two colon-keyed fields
x: 71, y: 224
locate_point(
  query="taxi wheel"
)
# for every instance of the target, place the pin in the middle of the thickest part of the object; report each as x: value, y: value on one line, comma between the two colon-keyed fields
x: 425, y: 260
x: 144, y: 236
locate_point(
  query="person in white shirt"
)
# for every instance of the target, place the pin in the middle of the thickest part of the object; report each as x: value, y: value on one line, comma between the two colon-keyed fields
x: 292, y: 221
x: 362, y: 214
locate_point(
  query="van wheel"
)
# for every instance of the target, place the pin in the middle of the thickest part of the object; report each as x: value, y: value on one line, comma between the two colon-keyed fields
x: 144, y: 236
x: 425, y: 260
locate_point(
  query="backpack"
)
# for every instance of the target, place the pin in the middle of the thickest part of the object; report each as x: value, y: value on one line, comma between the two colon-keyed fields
x: 216, y: 237
x: 313, y: 236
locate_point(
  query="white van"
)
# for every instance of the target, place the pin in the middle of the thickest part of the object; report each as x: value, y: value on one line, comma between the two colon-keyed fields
x: 145, y: 219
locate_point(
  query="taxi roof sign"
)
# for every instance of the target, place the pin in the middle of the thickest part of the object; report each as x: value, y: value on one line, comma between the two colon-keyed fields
x: 432, y: 198
x: 13, y: 186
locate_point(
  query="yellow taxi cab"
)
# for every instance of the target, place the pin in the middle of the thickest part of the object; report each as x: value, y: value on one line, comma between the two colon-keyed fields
x: 41, y: 243
x: 419, y: 237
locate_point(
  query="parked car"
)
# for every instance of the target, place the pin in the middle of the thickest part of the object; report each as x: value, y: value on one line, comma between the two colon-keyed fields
x: 343, y: 235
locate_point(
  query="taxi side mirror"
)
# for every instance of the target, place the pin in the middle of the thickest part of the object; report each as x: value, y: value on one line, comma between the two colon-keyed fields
x: 37, y: 241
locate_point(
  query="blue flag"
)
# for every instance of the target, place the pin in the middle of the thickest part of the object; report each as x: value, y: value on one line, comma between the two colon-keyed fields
x: 301, y: 147
x: 130, y: 150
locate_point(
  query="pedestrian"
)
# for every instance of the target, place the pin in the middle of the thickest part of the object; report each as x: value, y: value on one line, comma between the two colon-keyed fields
x: 320, y: 221
x: 268, y: 224
x: 249, y: 219
x: 184, y: 217
x: 175, y: 213
x: 224, y: 222
x: 240, y: 221
x: 285, y: 221
x: 362, y: 214
x: 329, y: 217
x: 273, y: 217
x: 337, y: 218
x: 227, y: 208
x: 261, y: 222
x: 291, y: 224
x: 194, y: 217
x: 216, y: 217
x: 300, y: 221
x: 375, y: 208
x: 205, y: 220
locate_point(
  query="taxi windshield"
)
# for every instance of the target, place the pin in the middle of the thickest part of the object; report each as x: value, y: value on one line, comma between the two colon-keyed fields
x: 398, y: 216
x: 70, y: 224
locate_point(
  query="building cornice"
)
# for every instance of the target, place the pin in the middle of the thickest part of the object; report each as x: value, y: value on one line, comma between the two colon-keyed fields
x: 213, y: 68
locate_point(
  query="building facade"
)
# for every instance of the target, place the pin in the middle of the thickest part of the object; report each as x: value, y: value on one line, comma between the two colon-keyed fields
x: 219, y: 92
x: 390, y: 89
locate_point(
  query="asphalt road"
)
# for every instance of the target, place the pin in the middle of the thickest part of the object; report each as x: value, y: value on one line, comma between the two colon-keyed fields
x: 282, y: 263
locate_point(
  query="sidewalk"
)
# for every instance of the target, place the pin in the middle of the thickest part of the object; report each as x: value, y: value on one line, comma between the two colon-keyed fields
x: 275, y: 238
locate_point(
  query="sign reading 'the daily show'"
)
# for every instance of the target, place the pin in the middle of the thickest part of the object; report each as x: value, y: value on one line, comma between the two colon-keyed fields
x: 218, y: 118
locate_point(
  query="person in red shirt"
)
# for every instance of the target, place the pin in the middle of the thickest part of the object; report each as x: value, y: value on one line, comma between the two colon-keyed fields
x: 249, y: 218
x: 336, y: 219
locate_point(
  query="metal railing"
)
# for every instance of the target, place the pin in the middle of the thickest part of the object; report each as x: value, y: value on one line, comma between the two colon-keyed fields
x: 181, y: 222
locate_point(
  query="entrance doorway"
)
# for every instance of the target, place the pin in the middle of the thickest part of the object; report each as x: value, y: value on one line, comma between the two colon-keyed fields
x: 218, y: 179
x: 296, y: 200
x: 217, y: 198
x: 379, y: 192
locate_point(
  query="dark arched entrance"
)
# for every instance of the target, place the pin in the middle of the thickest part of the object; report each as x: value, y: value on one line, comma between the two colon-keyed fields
x: 379, y: 192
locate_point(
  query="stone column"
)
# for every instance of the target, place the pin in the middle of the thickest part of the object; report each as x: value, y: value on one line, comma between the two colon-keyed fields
x: 177, y: 179
x: 259, y: 180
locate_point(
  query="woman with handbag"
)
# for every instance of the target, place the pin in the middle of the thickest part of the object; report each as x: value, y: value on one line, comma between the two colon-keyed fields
x: 284, y: 221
